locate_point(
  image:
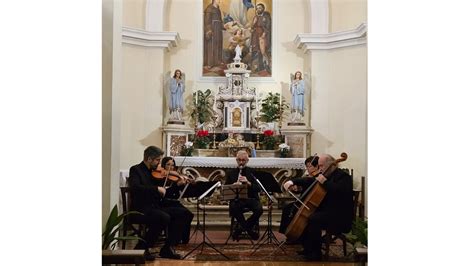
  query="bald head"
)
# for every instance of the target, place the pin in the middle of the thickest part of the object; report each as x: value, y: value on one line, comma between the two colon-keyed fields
x: 242, y: 158
x: 325, y: 160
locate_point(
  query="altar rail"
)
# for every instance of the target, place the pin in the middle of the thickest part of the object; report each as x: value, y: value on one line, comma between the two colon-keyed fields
x: 229, y: 162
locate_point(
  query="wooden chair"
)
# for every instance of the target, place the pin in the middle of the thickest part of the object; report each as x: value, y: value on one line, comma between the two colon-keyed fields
x: 330, y: 237
x: 128, y: 223
x: 358, y: 209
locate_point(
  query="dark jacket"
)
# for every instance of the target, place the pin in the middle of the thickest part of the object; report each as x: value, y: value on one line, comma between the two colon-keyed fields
x: 144, y: 189
x: 233, y: 174
x: 338, y: 202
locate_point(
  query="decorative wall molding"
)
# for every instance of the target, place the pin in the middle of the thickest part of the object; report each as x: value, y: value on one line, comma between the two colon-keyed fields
x: 139, y: 37
x: 332, y: 40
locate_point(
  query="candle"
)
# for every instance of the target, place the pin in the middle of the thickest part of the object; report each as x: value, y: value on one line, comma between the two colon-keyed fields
x: 196, y: 98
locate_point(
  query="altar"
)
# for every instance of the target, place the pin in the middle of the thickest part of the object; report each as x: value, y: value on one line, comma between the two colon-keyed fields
x: 235, y: 123
x: 228, y: 162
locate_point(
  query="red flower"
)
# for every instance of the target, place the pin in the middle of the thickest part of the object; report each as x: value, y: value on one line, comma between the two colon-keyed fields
x: 268, y: 132
x: 203, y: 133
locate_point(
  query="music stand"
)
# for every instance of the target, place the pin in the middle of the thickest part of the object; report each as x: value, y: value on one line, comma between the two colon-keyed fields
x: 211, y: 186
x: 194, y: 191
x: 268, y: 184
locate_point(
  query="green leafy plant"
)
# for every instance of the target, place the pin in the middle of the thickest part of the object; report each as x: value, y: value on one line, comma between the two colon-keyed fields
x: 271, y: 110
x: 112, y: 227
x: 358, y: 234
x: 203, y: 105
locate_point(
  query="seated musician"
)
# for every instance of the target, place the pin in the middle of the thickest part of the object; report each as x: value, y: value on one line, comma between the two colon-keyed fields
x: 335, y: 211
x: 245, y: 175
x: 171, y: 202
x: 147, y: 195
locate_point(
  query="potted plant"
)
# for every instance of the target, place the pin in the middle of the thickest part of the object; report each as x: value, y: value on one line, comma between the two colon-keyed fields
x: 358, y: 234
x: 202, y: 139
x: 272, y: 110
x: 187, y: 149
x: 203, y: 107
x: 284, y: 150
x: 269, y: 139
x: 113, y: 226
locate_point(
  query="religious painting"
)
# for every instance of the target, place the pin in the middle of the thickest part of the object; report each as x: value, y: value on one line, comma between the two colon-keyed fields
x: 231, y: 23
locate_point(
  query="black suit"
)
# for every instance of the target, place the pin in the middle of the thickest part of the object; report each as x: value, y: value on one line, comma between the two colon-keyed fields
x: 252, y: 203
x: 147, y: 200
x: 334, y: 213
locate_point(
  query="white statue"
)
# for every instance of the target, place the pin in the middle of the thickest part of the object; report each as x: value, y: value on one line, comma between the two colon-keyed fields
x: 238, y: 53
x: 176, y: 88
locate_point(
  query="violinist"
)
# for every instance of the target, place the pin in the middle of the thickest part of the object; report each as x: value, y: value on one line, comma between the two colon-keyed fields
x: 171, y: 202
x: 147, y: 195
x: 334, y: 212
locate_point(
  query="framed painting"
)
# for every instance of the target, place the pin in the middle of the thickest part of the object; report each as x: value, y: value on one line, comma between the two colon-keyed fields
x: 231, y: 23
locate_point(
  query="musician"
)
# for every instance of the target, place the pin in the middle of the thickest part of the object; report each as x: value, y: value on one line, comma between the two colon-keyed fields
x: 147, y: 198
x: 245, y: 175
x: 335, y: 211
x: 298, y: 185
x: 171, y: 199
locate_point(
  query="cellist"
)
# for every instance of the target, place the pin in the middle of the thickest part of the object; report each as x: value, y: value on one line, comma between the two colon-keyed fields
x: 335, y: 211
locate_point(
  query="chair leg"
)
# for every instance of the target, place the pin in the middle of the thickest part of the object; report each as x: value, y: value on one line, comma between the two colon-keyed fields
x: 327, y: 241
x: 124, y: 233
x: 344, y: 246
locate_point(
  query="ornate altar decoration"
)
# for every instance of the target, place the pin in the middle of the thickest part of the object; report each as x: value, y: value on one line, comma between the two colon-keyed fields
x: 236, y: 114
x: 235, y: 102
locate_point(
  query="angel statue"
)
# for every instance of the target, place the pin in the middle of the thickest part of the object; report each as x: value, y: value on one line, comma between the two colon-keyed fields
x: 175, y: 99
x: 297, y: 96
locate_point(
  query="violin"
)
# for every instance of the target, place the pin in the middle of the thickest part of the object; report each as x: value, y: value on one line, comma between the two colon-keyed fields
x: 161, y: 173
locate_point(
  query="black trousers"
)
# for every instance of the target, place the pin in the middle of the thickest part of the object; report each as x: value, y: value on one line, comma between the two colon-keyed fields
x: 311, y: 237
x: 287, y: 216
x: 157, y: 219
x: 186, y: 215
x: 238, y: 207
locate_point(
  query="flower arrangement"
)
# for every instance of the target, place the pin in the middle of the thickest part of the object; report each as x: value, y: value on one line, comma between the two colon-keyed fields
x: 187, y: 149
x: 269, y: 139
x: 202, y: 139
x: 284, y: 150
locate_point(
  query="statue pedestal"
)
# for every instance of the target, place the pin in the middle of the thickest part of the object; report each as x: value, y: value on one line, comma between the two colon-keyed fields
x: 298, y: 139
x: 174, y: 137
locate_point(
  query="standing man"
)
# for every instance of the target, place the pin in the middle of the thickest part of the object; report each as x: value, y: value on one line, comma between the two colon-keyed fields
x: 245, y: 175
x: 146, y: 197
x: 261, y: 40
x: 335, y: 211
x: 213, y: 39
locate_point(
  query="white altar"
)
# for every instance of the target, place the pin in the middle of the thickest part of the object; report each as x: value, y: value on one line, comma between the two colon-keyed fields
x: 229, y: 162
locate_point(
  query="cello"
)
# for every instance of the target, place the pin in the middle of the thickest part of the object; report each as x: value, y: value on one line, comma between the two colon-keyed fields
x: 316, y: 194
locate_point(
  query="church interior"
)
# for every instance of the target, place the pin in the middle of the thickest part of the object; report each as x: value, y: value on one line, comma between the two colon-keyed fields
x: 204, y: 79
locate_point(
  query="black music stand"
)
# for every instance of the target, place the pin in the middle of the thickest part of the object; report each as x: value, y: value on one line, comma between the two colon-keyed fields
x: 208, y: 188
x: 194, y: 191
x: 269, y: 185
